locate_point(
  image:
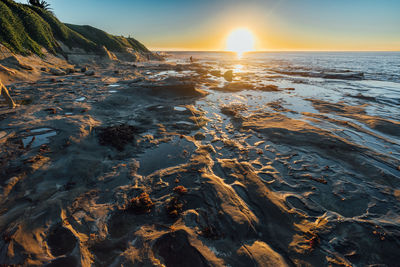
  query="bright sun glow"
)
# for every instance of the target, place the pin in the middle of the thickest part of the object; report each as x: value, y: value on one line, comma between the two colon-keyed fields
x: 240, y: 40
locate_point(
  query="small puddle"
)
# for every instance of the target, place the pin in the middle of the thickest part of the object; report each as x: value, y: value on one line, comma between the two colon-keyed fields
x: 180, y: 109
x: 114, y: 85
x: 40, y: 130
x: 165, y: 155
x: 170, y: 73
x: 42, y: 137
x: 80, y: 99
x: 113, y: 91
x: 184, y: 123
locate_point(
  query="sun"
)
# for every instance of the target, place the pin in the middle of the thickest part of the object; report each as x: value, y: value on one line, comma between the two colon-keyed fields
x: 240, y: 40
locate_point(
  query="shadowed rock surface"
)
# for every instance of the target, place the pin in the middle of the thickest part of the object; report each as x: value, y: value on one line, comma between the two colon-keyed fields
x: 152, y: 164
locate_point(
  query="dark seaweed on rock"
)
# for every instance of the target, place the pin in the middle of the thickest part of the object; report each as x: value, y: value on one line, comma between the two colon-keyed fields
x: 117, y: 136
x: 141, y: 204
x: 174, y: 207
x: 180, y: 190
x: 210, y: 232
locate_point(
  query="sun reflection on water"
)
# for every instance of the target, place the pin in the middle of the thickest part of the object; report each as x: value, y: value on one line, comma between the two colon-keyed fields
x: 238, y: 68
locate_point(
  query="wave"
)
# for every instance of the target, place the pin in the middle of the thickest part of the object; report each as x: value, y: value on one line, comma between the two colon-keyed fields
x: 343, y: 75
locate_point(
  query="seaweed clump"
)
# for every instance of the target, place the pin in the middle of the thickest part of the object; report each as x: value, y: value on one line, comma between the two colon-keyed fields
x: 141, y: 204
x: 210, y: 232
x: 180, y: 190
x: 117, y: 136
x: 314, y: 241
x: 175, y: 205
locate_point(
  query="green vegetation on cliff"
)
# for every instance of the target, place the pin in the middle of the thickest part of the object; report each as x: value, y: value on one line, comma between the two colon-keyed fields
x: 113, y: 43
x: 22, y: 30
x: 27, y: 29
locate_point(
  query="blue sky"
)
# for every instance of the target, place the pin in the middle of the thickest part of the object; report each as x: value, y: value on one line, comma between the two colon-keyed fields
x: 276, y: 24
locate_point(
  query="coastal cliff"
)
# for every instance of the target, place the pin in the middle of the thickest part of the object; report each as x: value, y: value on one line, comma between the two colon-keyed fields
x: 29, y: 30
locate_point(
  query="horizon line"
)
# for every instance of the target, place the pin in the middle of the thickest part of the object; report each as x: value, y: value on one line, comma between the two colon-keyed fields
x: 273, y: 51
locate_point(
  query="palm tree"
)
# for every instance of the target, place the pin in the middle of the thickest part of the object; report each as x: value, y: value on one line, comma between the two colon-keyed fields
x: 39, y: 3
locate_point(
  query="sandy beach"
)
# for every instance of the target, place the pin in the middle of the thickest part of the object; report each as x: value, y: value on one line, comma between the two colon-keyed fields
x: 171, y: 164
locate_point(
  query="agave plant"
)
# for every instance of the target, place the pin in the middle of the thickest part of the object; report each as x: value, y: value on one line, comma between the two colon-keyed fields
x: 39, y: 3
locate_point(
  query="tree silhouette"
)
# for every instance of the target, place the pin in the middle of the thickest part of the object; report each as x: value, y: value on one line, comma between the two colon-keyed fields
x: 39, y: 3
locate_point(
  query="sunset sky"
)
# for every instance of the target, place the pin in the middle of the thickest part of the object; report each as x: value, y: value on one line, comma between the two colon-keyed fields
x: 276, y: 24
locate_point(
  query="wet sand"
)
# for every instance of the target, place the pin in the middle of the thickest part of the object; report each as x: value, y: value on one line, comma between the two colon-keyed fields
x: 170, y: 164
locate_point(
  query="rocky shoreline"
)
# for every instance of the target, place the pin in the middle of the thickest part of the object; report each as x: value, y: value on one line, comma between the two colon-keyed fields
x: 143, y: 165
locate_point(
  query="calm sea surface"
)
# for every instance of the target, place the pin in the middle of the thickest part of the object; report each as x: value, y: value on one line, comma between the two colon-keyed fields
x: 380, y: 66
